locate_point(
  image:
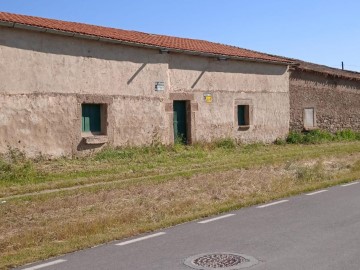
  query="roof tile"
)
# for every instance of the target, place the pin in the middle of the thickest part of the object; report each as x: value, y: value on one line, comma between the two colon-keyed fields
x: 176, y: 43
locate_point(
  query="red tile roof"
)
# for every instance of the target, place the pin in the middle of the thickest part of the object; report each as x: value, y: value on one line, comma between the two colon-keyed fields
x: 139, y: 38
x: 325, y: 70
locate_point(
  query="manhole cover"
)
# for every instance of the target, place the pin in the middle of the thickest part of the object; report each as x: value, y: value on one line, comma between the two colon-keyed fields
x: 222, y: 260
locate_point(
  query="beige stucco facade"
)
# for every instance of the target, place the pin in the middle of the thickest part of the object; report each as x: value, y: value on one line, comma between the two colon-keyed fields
x: 45, y: 78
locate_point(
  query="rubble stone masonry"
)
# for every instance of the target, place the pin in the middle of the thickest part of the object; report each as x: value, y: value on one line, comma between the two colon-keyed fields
x: 336, y: 101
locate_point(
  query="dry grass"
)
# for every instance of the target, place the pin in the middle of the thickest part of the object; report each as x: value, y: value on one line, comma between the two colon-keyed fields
x: 38, y: 227
x: 114, y: 165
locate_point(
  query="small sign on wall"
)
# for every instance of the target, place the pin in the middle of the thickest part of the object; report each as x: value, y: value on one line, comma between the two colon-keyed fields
x: 159, y: 86
x: 208, y: 98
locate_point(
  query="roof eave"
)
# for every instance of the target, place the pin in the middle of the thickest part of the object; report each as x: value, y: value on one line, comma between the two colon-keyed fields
x: 135, y: 44
x: 328, y: 74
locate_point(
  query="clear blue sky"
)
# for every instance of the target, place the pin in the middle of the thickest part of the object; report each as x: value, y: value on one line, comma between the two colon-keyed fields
x: 320, y: 31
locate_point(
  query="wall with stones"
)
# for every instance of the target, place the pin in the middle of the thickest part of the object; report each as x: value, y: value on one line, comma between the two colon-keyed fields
x: 336, y: 101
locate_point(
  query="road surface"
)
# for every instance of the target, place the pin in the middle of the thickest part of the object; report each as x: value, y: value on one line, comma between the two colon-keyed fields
x: 318, y: 230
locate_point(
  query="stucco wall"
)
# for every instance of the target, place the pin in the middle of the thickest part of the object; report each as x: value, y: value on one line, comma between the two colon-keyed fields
x: 38, y: 124
x: 269, y: 122
x: 44, y: 63
x: 336, y: 101
x: 264, y: 85
x: 46, y: 77
x: 139, y: 121
x: 192, y: 73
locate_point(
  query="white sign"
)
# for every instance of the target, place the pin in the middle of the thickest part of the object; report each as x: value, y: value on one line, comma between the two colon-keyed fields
x: 159, y: 86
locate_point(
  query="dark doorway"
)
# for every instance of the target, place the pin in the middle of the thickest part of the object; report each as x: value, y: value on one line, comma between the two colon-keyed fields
x: 180, y: 125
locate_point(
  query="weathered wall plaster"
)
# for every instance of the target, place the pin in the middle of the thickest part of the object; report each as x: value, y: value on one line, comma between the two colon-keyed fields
x: 44, y: 79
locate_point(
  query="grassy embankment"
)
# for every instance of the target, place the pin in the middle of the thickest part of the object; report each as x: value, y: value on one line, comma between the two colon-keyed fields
x: 124, y: 192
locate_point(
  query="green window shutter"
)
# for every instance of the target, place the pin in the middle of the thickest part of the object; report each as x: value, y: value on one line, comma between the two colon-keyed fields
x: 91, y: 117
x: 85, y: 124
x: 241, y: 115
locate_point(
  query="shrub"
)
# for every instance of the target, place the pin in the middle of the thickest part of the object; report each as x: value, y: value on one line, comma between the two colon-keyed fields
x: 295, y: 137
x: 346, y: 135
x: 318, y: 136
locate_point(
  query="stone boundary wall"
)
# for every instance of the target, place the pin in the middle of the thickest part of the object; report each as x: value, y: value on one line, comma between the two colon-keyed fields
x: 336, y: 101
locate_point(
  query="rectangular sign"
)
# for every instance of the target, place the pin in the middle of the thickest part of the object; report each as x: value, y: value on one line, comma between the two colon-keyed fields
x: 208, y: 98
x: 159, y: 86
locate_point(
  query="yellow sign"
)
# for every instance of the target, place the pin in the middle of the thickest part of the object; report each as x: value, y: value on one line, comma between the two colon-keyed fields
x: 208, y: 99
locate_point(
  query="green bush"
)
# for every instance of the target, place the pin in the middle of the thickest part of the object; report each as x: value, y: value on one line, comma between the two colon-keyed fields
x: 318, y: 136
x: 346, y: 135
x: 295, y: 137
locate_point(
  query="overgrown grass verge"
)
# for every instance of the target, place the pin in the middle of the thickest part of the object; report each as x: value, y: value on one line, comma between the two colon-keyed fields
x: 16, y: 170
x: 129, y: 164
x: 321, y: 136
x: 222, y: 179
x: 15, y: 167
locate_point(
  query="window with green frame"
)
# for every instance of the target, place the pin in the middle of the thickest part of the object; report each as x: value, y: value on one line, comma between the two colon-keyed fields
x: 243, y: 115
x: 91, y: 117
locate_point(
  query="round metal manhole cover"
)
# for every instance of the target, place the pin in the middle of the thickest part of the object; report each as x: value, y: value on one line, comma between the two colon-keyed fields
x: 222, y: 260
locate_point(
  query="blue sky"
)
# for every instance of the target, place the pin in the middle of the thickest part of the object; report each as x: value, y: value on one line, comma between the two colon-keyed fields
x: 320, y: 31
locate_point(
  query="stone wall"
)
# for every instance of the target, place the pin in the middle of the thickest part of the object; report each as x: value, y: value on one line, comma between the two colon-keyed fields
x: 336, y: 101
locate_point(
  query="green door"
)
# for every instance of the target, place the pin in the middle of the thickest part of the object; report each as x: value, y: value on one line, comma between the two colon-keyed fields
x: 180, y: 121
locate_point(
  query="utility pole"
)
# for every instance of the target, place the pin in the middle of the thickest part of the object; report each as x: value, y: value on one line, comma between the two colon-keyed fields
x: 342, y: 65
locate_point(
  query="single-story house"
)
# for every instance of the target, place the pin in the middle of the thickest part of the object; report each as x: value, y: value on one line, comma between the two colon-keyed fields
x: 69, y: 88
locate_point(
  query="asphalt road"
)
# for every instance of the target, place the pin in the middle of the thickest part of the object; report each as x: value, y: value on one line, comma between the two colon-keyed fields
x: 309, y: 231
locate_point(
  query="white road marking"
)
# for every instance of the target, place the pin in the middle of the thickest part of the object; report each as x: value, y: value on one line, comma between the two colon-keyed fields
x: 270, y: 204
x: 217, y: 218
x: 350, y: 184
x: 45, y: 265
x: 316, y: 192
x: 140, y: 239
